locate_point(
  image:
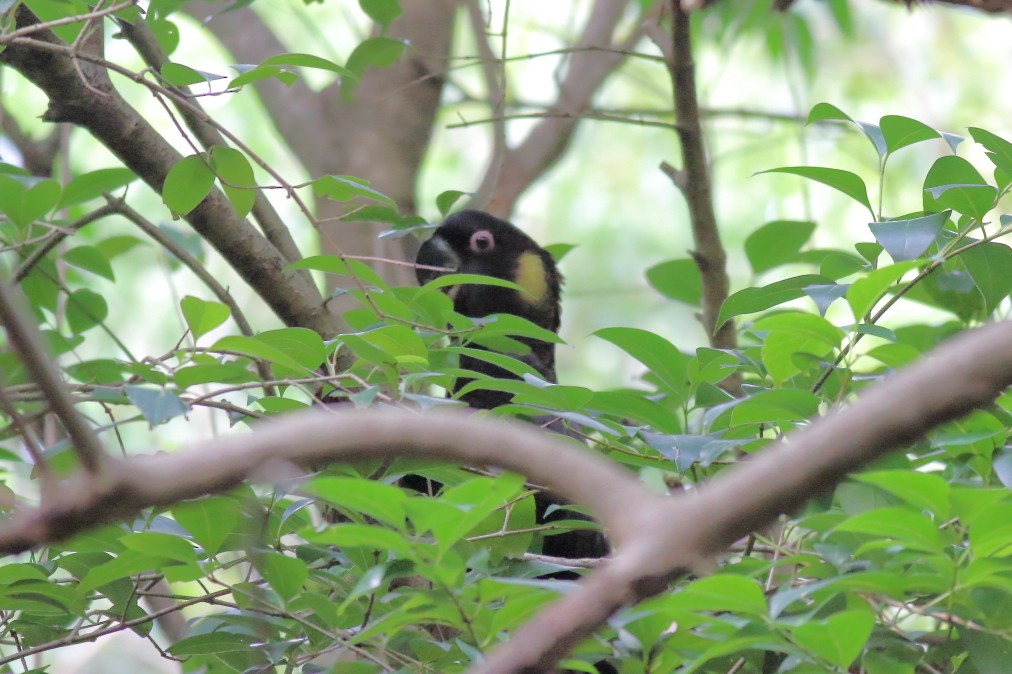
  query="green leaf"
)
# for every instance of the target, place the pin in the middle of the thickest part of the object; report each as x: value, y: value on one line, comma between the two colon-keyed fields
x: 815, y: 328
x: 360, y: 536
x: 375, y: 52
x: 90, y: 259
x: 393, y: 344
x: 628, y: 405
x: 101, y: 371
x: 999, y: 150
x: 686, y: 450
x: 92, y: 185
x: 286, y: 575
x: 678, y: 280
x: 222, y: 373
x: 278, y: 405
x: 751, y: 300
x: 991, y: 532
x: 559, y: 250
x: 507, y: 324
x: 824, y: 294
x: 910, y: 529
x: 306, y: 61
x: 85, y: 310
x: 473, y: 279
x: 166, y: 33
x: 791, y: 333
x: 899, y: 132
x: 302, y: 345
x: 990, y: 267
x: 972, y: 200
x: 771, y: 407
x: 909, y: 239
x: 117, y: 245
x: 26, y: 199
x: 123, y: 566
x: 864, y: 293
x: 844, y: 181
x: 53, y: 10
x: 249, y: 75
x: 475, y: 501
x: 446, y: 200
x: 368, y: 497
x: 508, y: 363
x: 183, y: 76
x: 255, y: 348
x: 331, y: 264
x: 236, y: 177
x: 822, y: 112
x: 777, y: 243
x: 839, y: 639
x: 202, y: 317
x: 659, y: 355
x: 187, y: 183
x: 989, y: 653
x: 926, y: 491
x: 381, y: 11
x: 156, y: 405
x: 721, y: 592
x: 215, y: 643
x: 209, y: 520
x: 159, y: 545
x: 346, y: 188
x: 949, y: 170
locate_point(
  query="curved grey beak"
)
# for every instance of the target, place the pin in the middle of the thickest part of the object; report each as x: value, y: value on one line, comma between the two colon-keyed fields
x: 435, y: 253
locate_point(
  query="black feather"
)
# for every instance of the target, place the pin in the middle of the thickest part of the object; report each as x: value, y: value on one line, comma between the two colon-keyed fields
x: 472, y: 242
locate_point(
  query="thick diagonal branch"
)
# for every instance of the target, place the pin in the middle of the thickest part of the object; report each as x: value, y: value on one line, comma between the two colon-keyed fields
x: 84, y: 96
x: 657, y: 538
x: 197, y: 121
x: 685, y: 531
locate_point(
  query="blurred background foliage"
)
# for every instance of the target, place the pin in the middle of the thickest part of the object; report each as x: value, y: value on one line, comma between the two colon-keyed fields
x: 759, y: 74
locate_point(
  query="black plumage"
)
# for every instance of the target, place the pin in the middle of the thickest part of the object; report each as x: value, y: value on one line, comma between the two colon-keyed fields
x: 473, y: 242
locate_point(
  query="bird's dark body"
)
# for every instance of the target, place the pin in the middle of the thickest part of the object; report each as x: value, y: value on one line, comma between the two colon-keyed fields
x: 472, y: 242
x: 512, y: 256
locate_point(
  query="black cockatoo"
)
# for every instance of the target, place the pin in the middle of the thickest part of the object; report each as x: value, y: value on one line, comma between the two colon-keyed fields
x: 473, y: 242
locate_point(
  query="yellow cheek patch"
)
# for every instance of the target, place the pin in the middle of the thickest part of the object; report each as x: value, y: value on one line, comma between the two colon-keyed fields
x: 531, y: 276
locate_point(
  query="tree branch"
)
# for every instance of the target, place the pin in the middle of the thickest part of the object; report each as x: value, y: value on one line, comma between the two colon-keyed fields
x: 80, y: 92
x: 296, y: 111
x: 494, y: 71
x: 320, y: 436
x: 589, y: 66
x: 657, y: 538
x: 380, y: 134
x: 37, y: 155
x: 54, y: 239
x: 693, y: 181
x: 685, y: 531
x: 193, y: 115
x: 24, y: 339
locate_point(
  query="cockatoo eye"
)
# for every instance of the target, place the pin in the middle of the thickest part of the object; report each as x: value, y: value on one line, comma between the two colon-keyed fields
x: 482, y: 241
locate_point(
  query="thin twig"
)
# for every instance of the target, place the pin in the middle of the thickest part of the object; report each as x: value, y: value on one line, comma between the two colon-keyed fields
x: 693, y: 181
x: 24, y: 339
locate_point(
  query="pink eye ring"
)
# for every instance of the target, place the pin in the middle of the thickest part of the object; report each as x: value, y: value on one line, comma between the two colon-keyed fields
x: 482, y: 241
